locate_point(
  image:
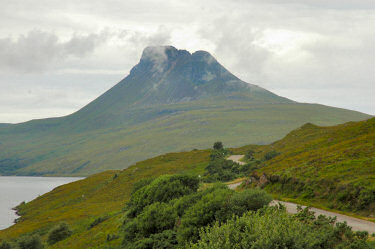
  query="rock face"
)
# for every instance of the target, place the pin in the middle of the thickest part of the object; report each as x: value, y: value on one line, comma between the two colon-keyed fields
x: 167, y: 75
x: 263, y: 181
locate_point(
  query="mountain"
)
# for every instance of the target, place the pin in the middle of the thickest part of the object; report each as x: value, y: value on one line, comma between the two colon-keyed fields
x: 342, y: 155
x: 171, y: 100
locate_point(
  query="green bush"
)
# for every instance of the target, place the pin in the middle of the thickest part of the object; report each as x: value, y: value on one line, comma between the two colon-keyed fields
x: 156, y: 218
x: 5, y: 245
x: 251, y: 199
x: 162, y: 189
x: 58, y: 233
x: 250, y: 155
x: 271, y: 154
x: 218, y: 146
x: 153, y: 226
x: 275, y: 229
x: 220, y: 169
x: 30, y: 242
x: 97, y: 221
x: 177, y: 219
x: 212, y: 206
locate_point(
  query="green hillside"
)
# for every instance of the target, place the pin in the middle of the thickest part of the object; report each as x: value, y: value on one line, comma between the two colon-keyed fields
x: 311, y: 160
x: 331, y: 167
x: 100, y: 195
x: 171, y: 101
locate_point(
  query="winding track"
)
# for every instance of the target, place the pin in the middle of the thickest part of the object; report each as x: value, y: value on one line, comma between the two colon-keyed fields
x: 355, y: 223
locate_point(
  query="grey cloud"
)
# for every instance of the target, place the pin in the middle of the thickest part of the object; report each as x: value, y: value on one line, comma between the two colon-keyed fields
x: 38, y: 50
x: 234, y: 41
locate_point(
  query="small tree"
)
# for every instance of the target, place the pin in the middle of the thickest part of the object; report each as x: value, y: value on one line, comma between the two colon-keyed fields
x: 250, y: 155
x: 59, y: 233
x: 5, y: 245
x: 30, y: 242
x: 218, y: 145
x: 271, y: 154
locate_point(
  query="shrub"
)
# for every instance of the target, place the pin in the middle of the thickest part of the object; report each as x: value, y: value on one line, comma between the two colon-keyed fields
x: 5, y: 245
x: 272, y: 228
x: 111, y: 237
x: 212, y: 206
x: 97, y: 221
x: 251, y: 199
x: 250, y: 155
x: 222, y: 170
x: 271, y: 154
x: 30, y: 242
x: 162, y: 189
x: 58, y: 233
x: 153, y: 226
x: 156, y: 218
x: 218, y: 146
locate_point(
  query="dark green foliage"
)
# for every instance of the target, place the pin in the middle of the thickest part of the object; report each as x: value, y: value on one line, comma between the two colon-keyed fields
x: 166, y: 239
x: 275, y: 229
x: 111, y: 237
x: 97, y: 221
x: 218, y: 146
x: 221, y: 169
x: 151, y: 227
x: 5, y: 245
x: 251, y: 199
x: 156, y: 218
x: 142, y: 183
x: 163, y: 189
x: 30, y: 242
x: 219, y: 204
x: 58, y: 233
x: 249, y: 155
x: 211, y: 207
x: 271, y: 154
x: 172, y: 221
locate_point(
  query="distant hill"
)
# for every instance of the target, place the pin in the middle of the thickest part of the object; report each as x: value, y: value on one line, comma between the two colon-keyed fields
x: 172, y: 100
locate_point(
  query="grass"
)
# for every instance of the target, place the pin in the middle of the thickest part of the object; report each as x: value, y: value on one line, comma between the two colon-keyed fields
x: 334, y: 166
x: 55, y: 148
x: 105, y: 194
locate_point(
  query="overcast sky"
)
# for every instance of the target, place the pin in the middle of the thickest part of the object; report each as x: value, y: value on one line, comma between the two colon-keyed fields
x: 56, y: 56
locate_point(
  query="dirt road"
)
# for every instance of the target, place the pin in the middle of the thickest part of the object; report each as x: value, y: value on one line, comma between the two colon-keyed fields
x: 236, y: 159
x: 356, y: 224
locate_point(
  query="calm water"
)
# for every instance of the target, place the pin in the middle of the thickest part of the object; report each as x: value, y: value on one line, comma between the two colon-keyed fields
x: 16, y: 189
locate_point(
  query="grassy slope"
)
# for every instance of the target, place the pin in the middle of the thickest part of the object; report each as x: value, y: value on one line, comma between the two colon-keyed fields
x: 79, y: 203
x: 189, y: 126
x: 333, y: 164
x: 344, y: 153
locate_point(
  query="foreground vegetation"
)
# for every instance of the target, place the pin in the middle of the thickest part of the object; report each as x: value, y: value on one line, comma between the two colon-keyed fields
x: 100, y: 197
x: 171, y: 211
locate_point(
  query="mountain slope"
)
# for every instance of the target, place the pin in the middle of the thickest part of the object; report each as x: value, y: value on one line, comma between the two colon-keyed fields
x: 171, y: 101
x: 330, y: 166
